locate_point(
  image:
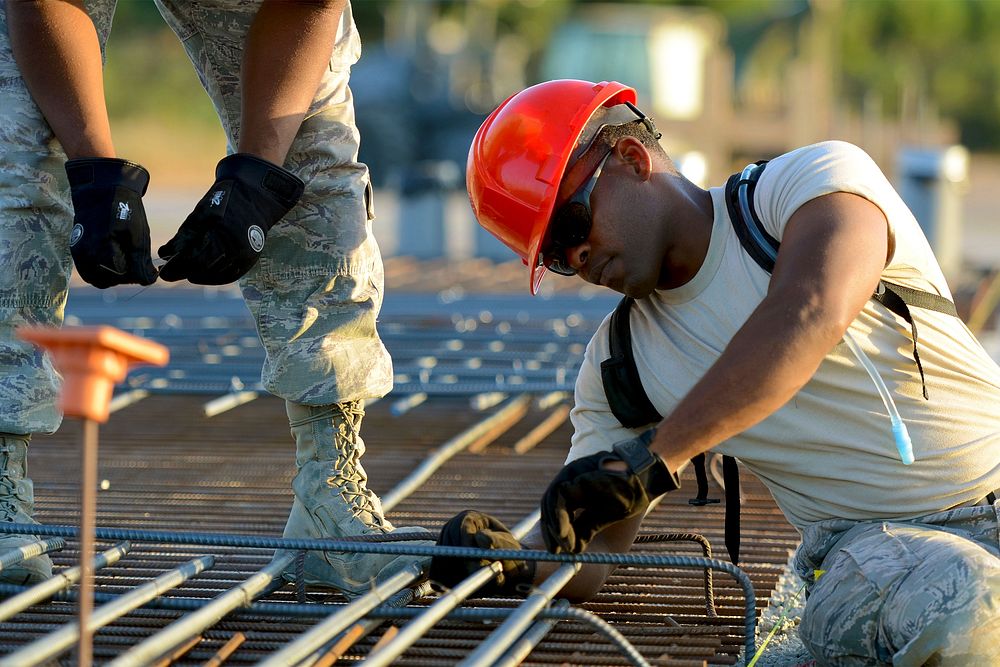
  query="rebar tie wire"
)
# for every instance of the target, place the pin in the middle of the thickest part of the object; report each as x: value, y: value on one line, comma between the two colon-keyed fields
x: 382, y: 544
x: 706, y: 549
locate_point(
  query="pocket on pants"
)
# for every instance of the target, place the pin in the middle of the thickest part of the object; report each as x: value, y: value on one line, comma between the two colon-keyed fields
x: 843, y: 616
x: 881, y: 557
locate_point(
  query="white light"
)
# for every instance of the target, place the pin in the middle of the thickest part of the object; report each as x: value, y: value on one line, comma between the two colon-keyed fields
x: 955, y: 167
x: 678, y: 52
x: 694, y: 167
x: 447, y: 36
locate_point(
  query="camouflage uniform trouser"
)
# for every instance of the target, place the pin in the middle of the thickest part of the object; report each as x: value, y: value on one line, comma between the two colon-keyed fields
x: 317, y: 290
x: 924, y: 591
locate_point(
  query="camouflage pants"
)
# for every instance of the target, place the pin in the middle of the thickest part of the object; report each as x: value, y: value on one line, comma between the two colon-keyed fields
x: 920, y: 592
x: 317, y: 290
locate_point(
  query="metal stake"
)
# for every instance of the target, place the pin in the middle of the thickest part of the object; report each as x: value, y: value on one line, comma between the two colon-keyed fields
x: 88, y: 517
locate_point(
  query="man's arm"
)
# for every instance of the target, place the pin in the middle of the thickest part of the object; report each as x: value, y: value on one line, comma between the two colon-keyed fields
x: 59, y: 57
x: 616, y: 538
x: 287, y: 51
x: 832, y: 253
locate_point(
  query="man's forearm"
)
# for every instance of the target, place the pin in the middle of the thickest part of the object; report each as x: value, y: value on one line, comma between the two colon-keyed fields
x: 585, y: 585
x: 59, y: 57
x: 287, y: 51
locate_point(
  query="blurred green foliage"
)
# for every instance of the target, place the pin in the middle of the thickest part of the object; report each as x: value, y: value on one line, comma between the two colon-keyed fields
x: 890, y: 53
x: 946, y: 50
x: 147, y: 73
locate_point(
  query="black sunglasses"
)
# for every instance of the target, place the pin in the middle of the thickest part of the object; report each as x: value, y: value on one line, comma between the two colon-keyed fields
x: 570, y: 225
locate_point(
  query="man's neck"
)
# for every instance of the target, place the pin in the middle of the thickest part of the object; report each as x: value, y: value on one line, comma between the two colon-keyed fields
x: 690, y: 216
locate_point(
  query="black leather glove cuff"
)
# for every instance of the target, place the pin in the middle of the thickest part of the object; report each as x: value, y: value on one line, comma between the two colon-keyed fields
x: 656, y: 478
x: 479, y: 530
x: 107, y: 172
x: 282, y: 184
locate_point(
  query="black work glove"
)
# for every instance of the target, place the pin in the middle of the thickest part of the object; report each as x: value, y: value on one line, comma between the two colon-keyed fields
x: 223, y: 237
x: 110, y: 236
x: 584, y: 498
x: 481, y: 531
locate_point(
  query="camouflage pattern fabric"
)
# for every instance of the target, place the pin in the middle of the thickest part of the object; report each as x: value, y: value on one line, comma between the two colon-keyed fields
x: 919, y: 592
x: 35, y: 221
x: 317, y: 289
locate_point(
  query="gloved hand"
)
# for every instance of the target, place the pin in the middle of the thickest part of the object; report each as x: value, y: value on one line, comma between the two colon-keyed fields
x: 110, y: 237
x: 481, y: 531
x: 584, y: 498
x: 223, y: 237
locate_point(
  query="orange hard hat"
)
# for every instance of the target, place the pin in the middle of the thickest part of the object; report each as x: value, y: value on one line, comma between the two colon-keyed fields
x: 519, y: 156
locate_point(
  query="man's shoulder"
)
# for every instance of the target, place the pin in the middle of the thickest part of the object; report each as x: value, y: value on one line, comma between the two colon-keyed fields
x: 817, y: 169
x: 821, y: 153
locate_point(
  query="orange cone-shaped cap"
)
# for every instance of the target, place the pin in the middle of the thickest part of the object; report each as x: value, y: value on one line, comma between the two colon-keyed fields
x: 92, y: 360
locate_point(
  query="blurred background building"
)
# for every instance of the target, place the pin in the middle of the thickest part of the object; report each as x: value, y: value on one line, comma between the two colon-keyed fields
x: 914, y: 82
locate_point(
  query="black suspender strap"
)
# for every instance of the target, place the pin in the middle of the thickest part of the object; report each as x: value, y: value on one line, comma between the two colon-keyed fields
x: 915, y: 298
x: 630, y: 404
x: 898, y: 298
x: 731, y: 478
x: 623, y: 387
x: 701, y: 476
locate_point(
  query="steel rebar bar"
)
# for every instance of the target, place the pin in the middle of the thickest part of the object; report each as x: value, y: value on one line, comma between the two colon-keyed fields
x: 520, y: 649
x: 490, y: 649
x: 452, y: 599
x: 24, y: 552
x: 183, y: 629
x: 54, y: 643
x: 544, y: 429
x: 446, y: 451
x: 226, y: 650
x: 229, y: 401
x: 339, y: 621
x: 416, y: 628
x: 58, y: 582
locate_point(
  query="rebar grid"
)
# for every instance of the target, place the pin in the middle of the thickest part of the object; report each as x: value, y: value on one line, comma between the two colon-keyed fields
x: 383, y: 546
x: 440, y: 350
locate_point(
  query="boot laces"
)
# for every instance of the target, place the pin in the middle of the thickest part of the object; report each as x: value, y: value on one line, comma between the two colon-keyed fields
x: 348, y: 476
x: 8, y: 488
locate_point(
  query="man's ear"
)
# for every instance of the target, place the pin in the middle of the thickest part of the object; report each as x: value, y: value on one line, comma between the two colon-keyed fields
x: 633, y: 153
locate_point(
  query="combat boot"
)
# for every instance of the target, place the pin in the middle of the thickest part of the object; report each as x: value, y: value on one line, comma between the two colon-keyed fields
x: 17, y: 502
x: 332, y: 500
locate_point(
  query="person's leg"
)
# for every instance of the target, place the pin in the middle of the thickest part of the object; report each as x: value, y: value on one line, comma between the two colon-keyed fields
x: 332, y: 499
x: 905, y: 594
x: 17, y: 504
x: 315, y: 293
x: 35, y: 221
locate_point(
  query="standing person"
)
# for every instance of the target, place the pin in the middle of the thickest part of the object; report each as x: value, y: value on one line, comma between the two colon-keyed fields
x: 289, y: 216
x: 757, y: 363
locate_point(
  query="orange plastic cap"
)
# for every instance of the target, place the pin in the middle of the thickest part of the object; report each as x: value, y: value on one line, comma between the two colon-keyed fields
x: 92, y: 360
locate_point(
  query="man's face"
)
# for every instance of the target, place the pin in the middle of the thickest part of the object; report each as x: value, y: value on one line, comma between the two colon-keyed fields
x: 572, y: 220
x: 596, y: 231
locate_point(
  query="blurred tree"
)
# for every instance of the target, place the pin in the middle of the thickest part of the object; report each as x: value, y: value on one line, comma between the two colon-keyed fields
x: 903, y: 56
x: 160, y: 116
x: 892, y: 56
x: 944, y: 51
